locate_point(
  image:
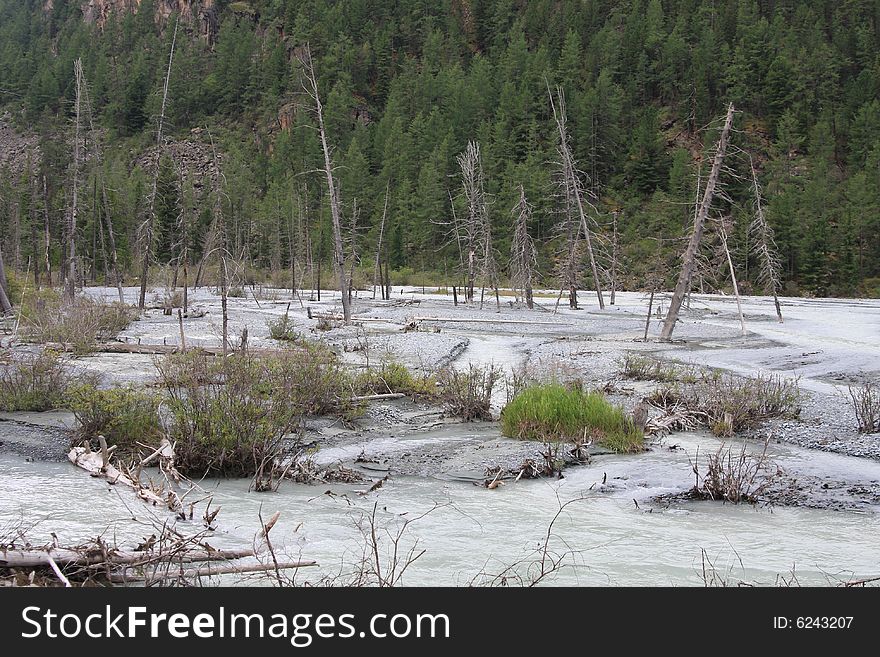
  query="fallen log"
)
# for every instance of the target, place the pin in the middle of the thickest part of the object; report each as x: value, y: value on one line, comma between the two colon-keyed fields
x: 208, y: 571
x: 355, y: 320
x: 95, y: 464
x: 388, y: 395
x: 42, y: 558
x: 484, y: 321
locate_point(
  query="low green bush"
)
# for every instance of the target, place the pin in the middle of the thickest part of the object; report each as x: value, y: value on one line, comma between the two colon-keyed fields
x: 229, y: 416
x: 643, y: 368
x: 283, y: 329
x: 38, y: 382
x: 125, y: 416
x: 468, y: 394
x: 394, y: 377
x: 553, y: 412
x: 80, y: 324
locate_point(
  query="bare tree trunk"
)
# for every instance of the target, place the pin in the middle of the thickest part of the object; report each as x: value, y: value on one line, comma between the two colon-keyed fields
x: 35, y: 239
x: 223, y: 249
x: 476, y: 230
x: 339, y: 253
x: 573, y: 184
x: 5, y: 303
x: 614, y: 249
x: 320, y: 253
x: 764, y: 246
x: 15, y: 237
x: 690, y: 256
x: 648, y: 318
x: 149, y: 222
x: 47, y: 234
x: 523, y: 256
x: 376, y: 274
x: 70, y: 270
x: 742, y: 321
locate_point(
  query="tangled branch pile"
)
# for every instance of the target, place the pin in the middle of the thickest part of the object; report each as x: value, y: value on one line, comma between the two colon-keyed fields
x: 725, y: 403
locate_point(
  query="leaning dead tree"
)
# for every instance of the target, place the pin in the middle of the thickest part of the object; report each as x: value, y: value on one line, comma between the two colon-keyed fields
x: 690, y: 255
x: 571, y: 178
x: 523, y: 255
x: 70, y: 268
x: 148, y: 226
x: 764, y: 246
x: 310, y: 86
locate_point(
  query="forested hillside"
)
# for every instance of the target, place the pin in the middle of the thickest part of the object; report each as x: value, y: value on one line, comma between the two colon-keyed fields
x: 405, y: 85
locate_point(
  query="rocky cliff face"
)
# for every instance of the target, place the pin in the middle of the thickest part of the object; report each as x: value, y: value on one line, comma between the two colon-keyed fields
x: 18, y: 151
x: 201, y: 14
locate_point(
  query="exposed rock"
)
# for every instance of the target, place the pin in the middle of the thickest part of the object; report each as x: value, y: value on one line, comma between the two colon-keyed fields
x: 287, y: 115
x: 200, y: 13
x: 191, y: 157
x: 17, y: 150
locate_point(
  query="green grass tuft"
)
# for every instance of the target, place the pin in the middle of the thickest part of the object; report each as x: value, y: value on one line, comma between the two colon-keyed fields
x: 553, y: 412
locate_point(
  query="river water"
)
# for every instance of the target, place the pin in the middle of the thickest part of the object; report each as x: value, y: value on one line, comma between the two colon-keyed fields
x: 616, y: 533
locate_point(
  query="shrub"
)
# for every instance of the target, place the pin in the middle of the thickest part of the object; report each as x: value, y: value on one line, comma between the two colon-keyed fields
x: 173, y: 299
x: 726, y: 403
x: 125, y: 416
x: 735, y: 404
x: 394, y: 377
x: 740, y: 477
x: 230, y: 416
x: 468, y: 395
x: 865, y: 402
x: 283, y: 329
x: 38, y: 382
x: 642, y: 368
x: 79, y: 324
x: 553, y: 412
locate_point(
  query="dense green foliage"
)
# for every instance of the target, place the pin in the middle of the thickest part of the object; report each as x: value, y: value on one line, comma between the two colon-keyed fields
x: 126, y: 416
x: 554, y: 412
x: 39, y: 381
x: 405, y: 84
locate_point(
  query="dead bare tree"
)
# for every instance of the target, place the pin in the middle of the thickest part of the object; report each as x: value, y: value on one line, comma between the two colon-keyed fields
x: 148, y: 226
x: 764, y: 246
x: 310, y: 86
x: 70, y: 269
x: 573, y: 185
x: 468, y: 227
x: 615, y: 248
x: 523, y: 255
x: 376, y: 273
x: 722, y: 234
x: 570, y: 253
x: 354, y: 258
x: 690, y: 256
x: 5, y: 303
x: 217, y: 239
x: 47, y: 234
x: 474, y: 230
x: 107, y: 218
